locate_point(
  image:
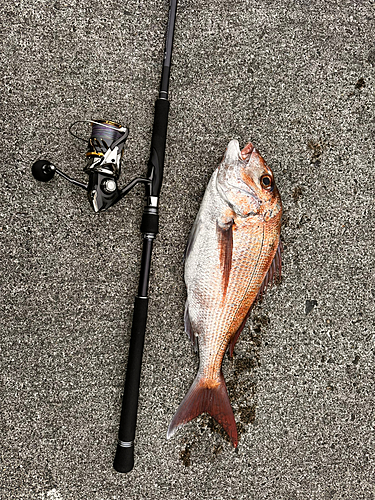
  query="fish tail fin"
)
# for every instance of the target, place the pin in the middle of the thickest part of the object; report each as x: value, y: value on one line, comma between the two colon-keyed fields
x: 206, y: 396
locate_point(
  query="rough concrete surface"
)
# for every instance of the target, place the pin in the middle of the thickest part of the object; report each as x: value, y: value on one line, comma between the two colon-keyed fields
x: 295, y: 78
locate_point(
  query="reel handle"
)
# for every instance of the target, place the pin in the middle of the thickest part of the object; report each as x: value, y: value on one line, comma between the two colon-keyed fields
x: 44, y: 171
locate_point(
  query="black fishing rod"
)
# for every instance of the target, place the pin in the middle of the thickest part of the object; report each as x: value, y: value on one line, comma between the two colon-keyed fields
x: 124, y: 459
x: 103, y: 166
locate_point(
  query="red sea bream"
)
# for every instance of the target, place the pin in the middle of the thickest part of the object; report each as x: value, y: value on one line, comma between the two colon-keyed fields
x: 233, y: 253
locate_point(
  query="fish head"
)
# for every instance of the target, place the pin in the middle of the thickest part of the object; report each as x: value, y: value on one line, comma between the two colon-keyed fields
x: 246, y: 182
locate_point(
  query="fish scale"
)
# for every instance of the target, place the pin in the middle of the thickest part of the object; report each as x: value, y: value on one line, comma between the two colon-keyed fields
x: 222, y: 327
x: 228, y: 263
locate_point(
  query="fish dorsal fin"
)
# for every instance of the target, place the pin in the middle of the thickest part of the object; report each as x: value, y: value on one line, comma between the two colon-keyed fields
x: 224, y: 229
x: 273, y: 273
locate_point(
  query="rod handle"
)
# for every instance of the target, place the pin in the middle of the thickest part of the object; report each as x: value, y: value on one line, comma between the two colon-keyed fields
x: 124, y: 458
x: 158, y: 141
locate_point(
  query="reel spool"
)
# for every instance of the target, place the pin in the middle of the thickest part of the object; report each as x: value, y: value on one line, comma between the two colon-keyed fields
x: 105, y: 148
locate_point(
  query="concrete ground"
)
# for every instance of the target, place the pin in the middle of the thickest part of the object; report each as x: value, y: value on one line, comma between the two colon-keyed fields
x: 295, y: 78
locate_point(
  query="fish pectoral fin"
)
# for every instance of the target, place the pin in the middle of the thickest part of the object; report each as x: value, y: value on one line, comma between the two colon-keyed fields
x: 189, y: 329
x: 224, y: 229
x: 210, y: 397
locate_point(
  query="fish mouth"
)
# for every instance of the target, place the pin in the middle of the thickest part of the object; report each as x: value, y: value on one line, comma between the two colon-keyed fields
x: 246, y: 152
x: 231, y: 181
x: 234, y: 153
x: 244, y: 156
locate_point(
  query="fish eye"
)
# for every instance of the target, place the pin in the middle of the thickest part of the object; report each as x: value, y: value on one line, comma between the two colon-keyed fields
x: 266, y: 181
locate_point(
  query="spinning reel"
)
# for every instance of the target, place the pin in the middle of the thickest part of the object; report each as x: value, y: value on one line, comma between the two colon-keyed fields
x: 103, y: 165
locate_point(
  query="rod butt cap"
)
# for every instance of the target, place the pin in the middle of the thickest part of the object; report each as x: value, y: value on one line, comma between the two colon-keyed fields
x: 124, y: 459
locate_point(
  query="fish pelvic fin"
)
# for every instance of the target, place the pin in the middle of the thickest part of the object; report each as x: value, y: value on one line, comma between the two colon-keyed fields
x: 206, y: 396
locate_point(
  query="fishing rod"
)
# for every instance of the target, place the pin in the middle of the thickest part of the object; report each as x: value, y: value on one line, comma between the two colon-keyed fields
x: 124, y: 459
x: 103, y: 166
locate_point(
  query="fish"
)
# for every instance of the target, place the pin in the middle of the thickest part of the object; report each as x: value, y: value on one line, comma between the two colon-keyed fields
x: 232, y: 255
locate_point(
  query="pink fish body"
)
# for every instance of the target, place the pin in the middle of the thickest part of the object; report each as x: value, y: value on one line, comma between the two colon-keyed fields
x: 233, y: 252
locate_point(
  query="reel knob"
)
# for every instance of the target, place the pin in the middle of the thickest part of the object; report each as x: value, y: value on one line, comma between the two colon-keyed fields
x: 43, y: 170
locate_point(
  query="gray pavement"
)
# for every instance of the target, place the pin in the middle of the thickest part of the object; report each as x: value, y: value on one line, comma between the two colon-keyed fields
x: 296, y: 78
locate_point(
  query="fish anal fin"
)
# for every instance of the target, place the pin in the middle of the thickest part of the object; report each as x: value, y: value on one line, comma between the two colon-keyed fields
x: 224, y: 230
x: 206, y: 396
x: 189, y: 329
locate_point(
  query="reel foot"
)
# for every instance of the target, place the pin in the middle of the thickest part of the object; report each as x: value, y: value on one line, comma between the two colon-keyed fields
x: 43, y: 170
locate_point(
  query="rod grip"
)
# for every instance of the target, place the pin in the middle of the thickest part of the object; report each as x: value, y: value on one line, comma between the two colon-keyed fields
x: 159, y: 138
x: 124, y: 458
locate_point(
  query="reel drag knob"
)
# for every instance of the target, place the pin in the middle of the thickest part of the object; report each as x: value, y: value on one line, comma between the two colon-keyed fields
x: 43, y: 170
